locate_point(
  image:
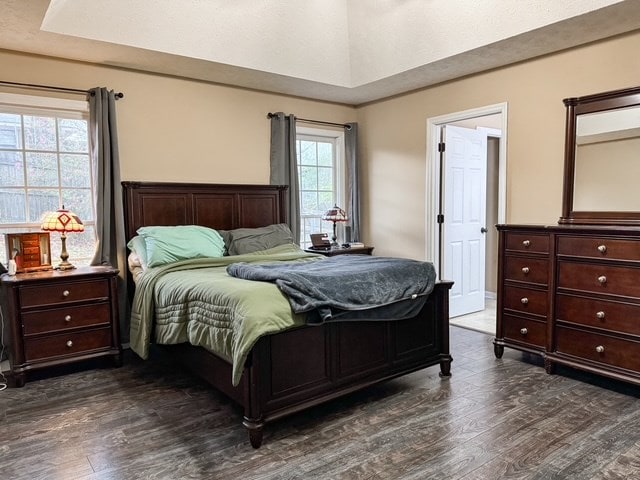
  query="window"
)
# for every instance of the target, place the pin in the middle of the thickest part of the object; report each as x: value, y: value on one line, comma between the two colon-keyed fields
x: 44, y: 164
x: 321, y: 175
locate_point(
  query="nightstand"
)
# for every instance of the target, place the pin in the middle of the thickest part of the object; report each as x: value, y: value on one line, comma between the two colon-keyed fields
x: 341, y: 251
x: 55, y: 318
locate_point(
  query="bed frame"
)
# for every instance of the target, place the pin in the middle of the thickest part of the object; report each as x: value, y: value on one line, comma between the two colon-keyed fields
x: 296, y: 369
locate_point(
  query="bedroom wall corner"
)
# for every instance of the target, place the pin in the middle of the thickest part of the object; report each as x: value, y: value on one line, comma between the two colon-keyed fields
x: 393, y: 138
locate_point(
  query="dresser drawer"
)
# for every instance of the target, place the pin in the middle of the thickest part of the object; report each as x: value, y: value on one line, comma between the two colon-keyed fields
x: 524, y: 330
x: 593, y: 312
x: 62, y: 292
x: 64, y: 318
x: 594, y: 247
x: 604, y: 349
x: 524, y: 269
x: 66, y: 344
x: 603, y: 279
x: 525, y: 300
x: 525, y: 242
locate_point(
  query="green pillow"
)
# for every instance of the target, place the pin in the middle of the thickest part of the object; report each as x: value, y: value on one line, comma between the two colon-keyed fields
x: 139, y: 247
x: 182, y: 242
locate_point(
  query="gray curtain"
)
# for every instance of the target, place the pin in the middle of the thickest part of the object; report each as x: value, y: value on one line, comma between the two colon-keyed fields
x: 353, y: 180
x: 110, y: 248
x: 284, y: 168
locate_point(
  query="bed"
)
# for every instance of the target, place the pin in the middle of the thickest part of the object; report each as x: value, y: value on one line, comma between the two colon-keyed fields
x: 332, y: 359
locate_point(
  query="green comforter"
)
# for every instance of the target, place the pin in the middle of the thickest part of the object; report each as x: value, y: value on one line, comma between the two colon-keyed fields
x: 196, y: 301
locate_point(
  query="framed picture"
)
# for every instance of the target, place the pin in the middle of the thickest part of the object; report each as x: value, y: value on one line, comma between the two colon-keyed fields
x: 31, y: 251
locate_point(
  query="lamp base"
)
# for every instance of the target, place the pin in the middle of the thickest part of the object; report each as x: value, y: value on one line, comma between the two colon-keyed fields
x: 334, y: 237
x: 65, y: 266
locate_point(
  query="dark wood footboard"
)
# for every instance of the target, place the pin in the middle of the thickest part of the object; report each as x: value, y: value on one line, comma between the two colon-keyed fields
x: 297, y: 369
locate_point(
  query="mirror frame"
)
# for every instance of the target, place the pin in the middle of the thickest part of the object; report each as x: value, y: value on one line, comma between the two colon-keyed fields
x: 598, y: 102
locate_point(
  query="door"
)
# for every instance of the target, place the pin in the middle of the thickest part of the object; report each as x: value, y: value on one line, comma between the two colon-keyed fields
x: 464, y: 167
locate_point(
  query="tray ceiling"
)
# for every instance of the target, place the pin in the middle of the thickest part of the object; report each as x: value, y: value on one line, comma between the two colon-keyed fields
x: 346, y: 51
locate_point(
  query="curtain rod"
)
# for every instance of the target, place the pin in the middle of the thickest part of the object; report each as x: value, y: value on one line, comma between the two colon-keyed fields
x: 55, y: 89
x: 317, y: 122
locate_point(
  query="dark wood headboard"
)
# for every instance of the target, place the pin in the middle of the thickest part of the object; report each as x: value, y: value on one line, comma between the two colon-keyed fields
x: 223, y: 207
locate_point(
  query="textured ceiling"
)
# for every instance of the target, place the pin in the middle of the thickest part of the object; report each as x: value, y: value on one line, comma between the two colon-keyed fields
x: 346, y: 51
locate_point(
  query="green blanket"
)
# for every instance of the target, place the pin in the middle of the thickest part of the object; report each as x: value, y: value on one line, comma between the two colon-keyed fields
x: 196, y: 301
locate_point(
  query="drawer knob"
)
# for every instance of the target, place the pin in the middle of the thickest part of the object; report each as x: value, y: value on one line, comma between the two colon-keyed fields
x: 67, y: 318
x: 600, y: 315
x: 602, y: 249
x: 600, y: 349
x: 524, y: 300
x: 525, y: 270
x: 66, y: 293
x: 524, y: 331
x: 69, y: 344
x: 526, y: 243
x: 602, y: 279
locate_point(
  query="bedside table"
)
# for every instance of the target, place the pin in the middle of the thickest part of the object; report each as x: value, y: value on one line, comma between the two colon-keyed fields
x: 55, y: 318
x: 342, y: 251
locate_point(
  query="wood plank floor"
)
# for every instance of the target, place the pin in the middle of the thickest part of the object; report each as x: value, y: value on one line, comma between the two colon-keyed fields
x: 493, y: 419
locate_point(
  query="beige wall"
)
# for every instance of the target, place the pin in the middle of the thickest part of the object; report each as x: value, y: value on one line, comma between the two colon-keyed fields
x: 393, y: 137
x: 173, y: 129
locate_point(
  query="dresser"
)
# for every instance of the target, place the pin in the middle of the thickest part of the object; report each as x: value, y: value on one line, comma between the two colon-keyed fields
x: 571, y: 294
x: 55, y: 318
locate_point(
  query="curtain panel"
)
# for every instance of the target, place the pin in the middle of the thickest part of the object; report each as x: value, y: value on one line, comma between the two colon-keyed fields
x: 353, y: 180
x: 284, y: 167
x: 111, y: 248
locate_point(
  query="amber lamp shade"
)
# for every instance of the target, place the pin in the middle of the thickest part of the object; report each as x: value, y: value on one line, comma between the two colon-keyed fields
x: 62, y: 221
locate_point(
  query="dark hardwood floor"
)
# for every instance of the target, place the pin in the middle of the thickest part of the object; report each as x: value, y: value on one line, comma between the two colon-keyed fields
x: 493, y: 419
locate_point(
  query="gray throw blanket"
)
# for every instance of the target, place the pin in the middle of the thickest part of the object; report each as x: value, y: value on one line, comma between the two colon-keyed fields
x: 348, y: 286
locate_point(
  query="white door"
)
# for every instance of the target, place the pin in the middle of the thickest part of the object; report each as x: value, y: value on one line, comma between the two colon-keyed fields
x: 464, y: 208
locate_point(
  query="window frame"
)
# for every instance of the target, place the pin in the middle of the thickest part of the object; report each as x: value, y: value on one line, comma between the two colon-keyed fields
x: 20, y: 104
x: 337, y: 139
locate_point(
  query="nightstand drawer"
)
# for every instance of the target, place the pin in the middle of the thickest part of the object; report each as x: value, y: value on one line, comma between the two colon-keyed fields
x: 66, y: 318
x: 524, y: 269
x: 62, y: 292
x: 66, y: 344
x: 526, y: 300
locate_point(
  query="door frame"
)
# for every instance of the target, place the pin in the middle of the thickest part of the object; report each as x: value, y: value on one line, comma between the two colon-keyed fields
x: 432, y: 200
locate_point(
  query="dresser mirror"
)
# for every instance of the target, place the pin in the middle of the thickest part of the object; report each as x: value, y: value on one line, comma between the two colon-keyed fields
x: 602, y: 159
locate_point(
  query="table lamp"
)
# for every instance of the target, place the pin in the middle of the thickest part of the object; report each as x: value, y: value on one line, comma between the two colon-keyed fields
x: 335, y: 214
x: 62, y: 221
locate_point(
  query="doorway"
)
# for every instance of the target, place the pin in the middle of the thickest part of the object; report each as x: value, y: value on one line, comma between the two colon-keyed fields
x: 491, y: 122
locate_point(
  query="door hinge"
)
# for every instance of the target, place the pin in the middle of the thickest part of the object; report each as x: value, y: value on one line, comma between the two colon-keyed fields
x: 441, y: 147
x: 440, y: 218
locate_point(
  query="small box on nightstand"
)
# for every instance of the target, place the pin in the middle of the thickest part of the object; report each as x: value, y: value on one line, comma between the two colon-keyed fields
x: 31, y: 251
